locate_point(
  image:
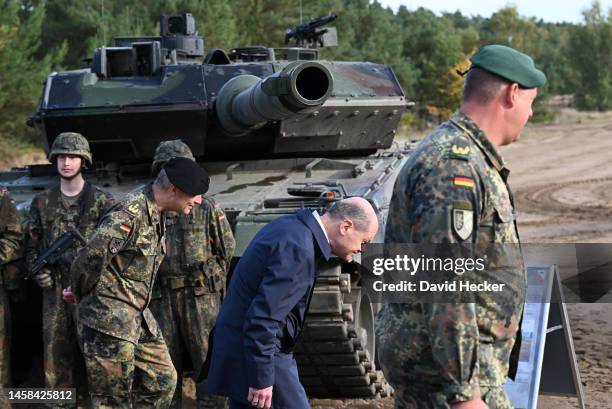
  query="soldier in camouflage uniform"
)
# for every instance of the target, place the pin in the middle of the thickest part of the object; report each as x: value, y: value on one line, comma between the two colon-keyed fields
x: 191, y: 279
x: 454, y: 189
x: 73, y: 203
x: 11, y: 241
x: 112, y: 281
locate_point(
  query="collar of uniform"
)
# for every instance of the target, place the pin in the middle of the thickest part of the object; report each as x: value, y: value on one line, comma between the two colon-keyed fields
x: 152, y: 209
x: 465, y: 123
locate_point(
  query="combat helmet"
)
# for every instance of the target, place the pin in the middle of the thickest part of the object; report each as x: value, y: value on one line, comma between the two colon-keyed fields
x: 167, y: 150
x: 71, y: 143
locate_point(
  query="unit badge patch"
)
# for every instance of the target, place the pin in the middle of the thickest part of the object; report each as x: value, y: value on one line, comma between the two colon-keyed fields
x: 463, y: 223
x: 115, y: 244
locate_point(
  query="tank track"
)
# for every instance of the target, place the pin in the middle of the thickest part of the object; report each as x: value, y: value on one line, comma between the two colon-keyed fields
x: 335, y: 353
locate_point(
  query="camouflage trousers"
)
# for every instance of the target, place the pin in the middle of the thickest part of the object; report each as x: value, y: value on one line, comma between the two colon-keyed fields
x: 63, y: 361
x: 423, y: 397
x: 122, y: 374
x: 5, y: 352
x: 185, y: 316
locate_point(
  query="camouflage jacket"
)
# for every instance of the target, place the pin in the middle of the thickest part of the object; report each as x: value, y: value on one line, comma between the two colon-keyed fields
x: 454, y: 189
x: 113, y: 275
x: 49, y: 218
x: 199, y: 248
x: 11, y: 235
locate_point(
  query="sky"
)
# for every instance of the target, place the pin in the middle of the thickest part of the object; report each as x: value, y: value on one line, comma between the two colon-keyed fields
x: 548, y: 10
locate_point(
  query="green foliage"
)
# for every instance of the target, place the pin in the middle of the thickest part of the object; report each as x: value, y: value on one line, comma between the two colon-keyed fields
x: 22, y: 68
x: 432, y: 46
x: 591, y: 57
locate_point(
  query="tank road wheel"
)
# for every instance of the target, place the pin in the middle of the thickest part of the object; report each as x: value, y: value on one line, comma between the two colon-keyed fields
x: 336, y: 350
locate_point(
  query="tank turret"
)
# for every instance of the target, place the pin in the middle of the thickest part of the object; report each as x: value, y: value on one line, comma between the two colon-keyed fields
x: 284, y: 102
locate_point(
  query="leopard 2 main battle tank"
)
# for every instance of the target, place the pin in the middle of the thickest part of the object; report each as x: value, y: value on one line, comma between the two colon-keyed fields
x: 278, y: 130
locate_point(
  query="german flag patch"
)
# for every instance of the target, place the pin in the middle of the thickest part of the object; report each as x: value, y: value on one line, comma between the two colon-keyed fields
x: 126, y: 228
x: 463, y: 181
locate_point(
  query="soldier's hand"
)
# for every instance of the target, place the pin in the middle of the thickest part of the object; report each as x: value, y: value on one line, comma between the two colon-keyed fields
x: 476, y: 403
x: 44, y: 278
x: 68, y: 296
x: 260, y: 398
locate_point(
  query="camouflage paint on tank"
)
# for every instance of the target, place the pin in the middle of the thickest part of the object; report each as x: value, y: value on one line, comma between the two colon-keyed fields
x: 83, y: 90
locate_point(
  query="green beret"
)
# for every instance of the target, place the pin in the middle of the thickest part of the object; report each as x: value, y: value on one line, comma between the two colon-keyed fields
x: 510, y: 64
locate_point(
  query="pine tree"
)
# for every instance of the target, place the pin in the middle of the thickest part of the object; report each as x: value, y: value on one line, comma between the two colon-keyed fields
x: 22, y: 68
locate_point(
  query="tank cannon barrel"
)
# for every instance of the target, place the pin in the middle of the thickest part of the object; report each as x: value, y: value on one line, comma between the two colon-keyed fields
x: 247, y: 102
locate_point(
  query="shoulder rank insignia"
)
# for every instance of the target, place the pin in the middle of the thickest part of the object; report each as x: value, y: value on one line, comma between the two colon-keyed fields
x: 133, y: 208
x: 463, y: 223
x: 115, y: 244
x: 463, y: 181
x: 460, y: 152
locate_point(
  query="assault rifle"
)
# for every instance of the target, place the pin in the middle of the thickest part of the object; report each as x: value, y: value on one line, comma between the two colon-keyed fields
x: 56, y: 249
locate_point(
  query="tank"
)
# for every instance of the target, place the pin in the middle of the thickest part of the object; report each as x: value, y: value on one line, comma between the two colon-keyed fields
x: 278, y: 129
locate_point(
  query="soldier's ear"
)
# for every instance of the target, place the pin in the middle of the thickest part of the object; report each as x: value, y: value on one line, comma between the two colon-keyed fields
x: 511, y: 94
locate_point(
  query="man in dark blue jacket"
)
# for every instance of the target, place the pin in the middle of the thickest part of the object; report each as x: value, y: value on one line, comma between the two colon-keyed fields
x: 268, y: 299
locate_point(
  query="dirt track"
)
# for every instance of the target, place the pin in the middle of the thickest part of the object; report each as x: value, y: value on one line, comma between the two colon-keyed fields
x: 562, y: 177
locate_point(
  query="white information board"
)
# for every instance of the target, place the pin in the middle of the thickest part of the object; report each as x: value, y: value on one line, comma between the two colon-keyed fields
x: 547, y: 363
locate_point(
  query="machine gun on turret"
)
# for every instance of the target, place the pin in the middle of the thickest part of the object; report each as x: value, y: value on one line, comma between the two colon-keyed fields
x: 310, y: 35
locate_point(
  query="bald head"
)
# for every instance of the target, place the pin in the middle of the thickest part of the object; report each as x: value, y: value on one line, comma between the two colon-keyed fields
x: 356, y: 209
x: 349, y: 224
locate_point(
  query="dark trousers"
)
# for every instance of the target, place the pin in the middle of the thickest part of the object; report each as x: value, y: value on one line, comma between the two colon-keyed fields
x: 288, y: 392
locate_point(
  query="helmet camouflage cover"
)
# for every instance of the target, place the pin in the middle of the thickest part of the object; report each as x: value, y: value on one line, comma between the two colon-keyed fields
x: 167, y: 150
x: 71, y: 143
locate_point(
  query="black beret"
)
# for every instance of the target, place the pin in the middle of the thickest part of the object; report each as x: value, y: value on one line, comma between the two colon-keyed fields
x: 510, y: 64
x: 187, y: 176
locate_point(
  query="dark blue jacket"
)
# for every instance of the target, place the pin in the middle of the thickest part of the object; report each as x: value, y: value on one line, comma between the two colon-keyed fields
x: 266, y: 304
